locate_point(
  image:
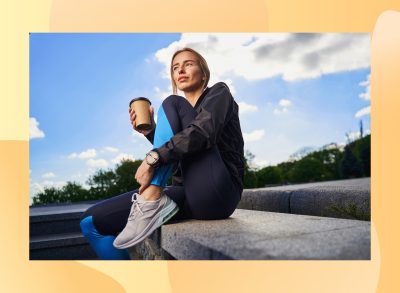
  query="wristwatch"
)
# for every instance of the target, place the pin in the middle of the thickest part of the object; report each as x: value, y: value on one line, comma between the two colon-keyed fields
x: 153, y: 158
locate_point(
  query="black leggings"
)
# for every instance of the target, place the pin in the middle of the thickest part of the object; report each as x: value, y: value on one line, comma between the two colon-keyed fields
x: 208, y: 193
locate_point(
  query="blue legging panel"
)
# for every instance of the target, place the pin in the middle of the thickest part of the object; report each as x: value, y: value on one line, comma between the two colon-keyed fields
x: 102, y: 245
x: 162, y: 134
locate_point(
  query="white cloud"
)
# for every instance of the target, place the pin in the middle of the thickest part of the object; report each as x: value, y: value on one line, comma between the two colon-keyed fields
x: 264, y: 55
x: 49, y: 183
x: 34, y: 131
x: 353, y: 135
x: 121, y: 157
x: 48, y: 175
x: 36, y: 188
x: 341, y: 146
x: 363, y: 112
x: 90, y: 153
x: 246, y: 108
x: 282, y: 106
x: 254, y: 135
x: 279, y: 111
x: 80, y: 175
x: 356, y: 134
x: 228, y: 81
x: 285, y: 103
x: 100, y: 163
x: 163, y: 94
x: 367, y: 84
x: 111, y: 149
x: 262, y: 163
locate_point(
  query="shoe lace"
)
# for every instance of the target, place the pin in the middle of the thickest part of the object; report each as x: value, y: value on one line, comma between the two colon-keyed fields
x: 135, y: 207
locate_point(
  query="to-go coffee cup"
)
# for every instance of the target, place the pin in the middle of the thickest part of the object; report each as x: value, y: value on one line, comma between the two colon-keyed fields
x: 141, y: 106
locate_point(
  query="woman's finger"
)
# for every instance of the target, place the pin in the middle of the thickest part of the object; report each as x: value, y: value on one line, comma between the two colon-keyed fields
x: 131, y: 113
x: 133, y: 122
x: 141, y: 189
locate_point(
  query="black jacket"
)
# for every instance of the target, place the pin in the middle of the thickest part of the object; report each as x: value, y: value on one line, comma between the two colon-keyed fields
x: 217, y: 123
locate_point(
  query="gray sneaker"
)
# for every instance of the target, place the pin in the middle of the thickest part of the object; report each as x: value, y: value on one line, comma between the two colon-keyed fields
x: 144, y: 218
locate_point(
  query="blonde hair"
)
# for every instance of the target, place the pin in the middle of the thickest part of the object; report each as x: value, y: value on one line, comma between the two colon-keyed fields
x: 202, y: 63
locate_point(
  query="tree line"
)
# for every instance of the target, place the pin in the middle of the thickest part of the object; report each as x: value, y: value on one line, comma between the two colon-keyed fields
x: 328, y: 163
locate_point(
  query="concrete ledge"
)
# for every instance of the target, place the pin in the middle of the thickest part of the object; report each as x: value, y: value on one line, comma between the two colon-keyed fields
x: 265, y: 235
x: 57, y: 240
x: 66, y: 246
x: 59, y: 208
x: 349, y: 199
x: 58, y: 223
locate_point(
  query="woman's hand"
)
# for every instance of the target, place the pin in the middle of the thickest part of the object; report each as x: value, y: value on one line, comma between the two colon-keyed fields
x: 133, y: 121
x: 143, y: 175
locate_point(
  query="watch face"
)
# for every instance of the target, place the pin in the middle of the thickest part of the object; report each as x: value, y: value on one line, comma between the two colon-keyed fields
x: 152, y: 158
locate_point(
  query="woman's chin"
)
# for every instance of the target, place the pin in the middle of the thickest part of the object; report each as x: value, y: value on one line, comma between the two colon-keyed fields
x: 188, y: 88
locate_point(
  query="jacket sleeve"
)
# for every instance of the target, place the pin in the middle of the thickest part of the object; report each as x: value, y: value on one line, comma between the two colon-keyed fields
x: 204, y: 130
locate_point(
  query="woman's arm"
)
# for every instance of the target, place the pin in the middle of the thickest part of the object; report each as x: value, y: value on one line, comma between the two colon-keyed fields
x: 204, y: 130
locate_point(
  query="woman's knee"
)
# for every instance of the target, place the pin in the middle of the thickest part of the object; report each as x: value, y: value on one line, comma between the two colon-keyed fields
x: 179, y: 105
x: 176, y: 112
x: 87, y: 213
x: 87, y: 221
x: 173, y: 100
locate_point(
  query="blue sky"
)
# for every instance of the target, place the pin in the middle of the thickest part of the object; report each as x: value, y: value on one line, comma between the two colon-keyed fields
x: 293, y: 91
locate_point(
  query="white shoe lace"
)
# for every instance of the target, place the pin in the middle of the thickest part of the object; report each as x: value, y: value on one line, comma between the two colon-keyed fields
x: 135, y: 206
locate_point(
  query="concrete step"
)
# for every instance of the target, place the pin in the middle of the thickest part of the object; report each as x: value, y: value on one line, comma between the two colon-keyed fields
x: 56, y: 219
x: 54, y: 224
x: 348, y: 199
x: 65, y: 246
x: 265, y: 235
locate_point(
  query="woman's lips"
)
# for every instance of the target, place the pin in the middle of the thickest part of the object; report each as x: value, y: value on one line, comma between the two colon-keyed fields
x: 181, y: 79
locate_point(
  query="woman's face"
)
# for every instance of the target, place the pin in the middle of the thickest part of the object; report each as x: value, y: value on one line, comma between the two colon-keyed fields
x: 186, y: 72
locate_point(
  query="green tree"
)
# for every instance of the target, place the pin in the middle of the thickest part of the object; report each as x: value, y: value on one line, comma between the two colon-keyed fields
x: 73, y: 192
x: 350, y: 166
x: 125, y: 175
x: 365, y: 155
x: 49, y: 195
x: 102, y: 184
x: 330, y: 159
x: 308, y: 169
x: 285, y: 168
x: 250, y: 179
x: 268, y: 176
x: 248, y: 159
x: 250, y: 175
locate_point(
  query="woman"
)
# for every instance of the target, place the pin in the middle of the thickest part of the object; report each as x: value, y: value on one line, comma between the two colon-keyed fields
x: 198, y: 137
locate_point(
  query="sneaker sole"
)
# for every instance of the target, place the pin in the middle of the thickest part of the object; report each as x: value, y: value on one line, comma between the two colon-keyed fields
x: 165, y: 215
